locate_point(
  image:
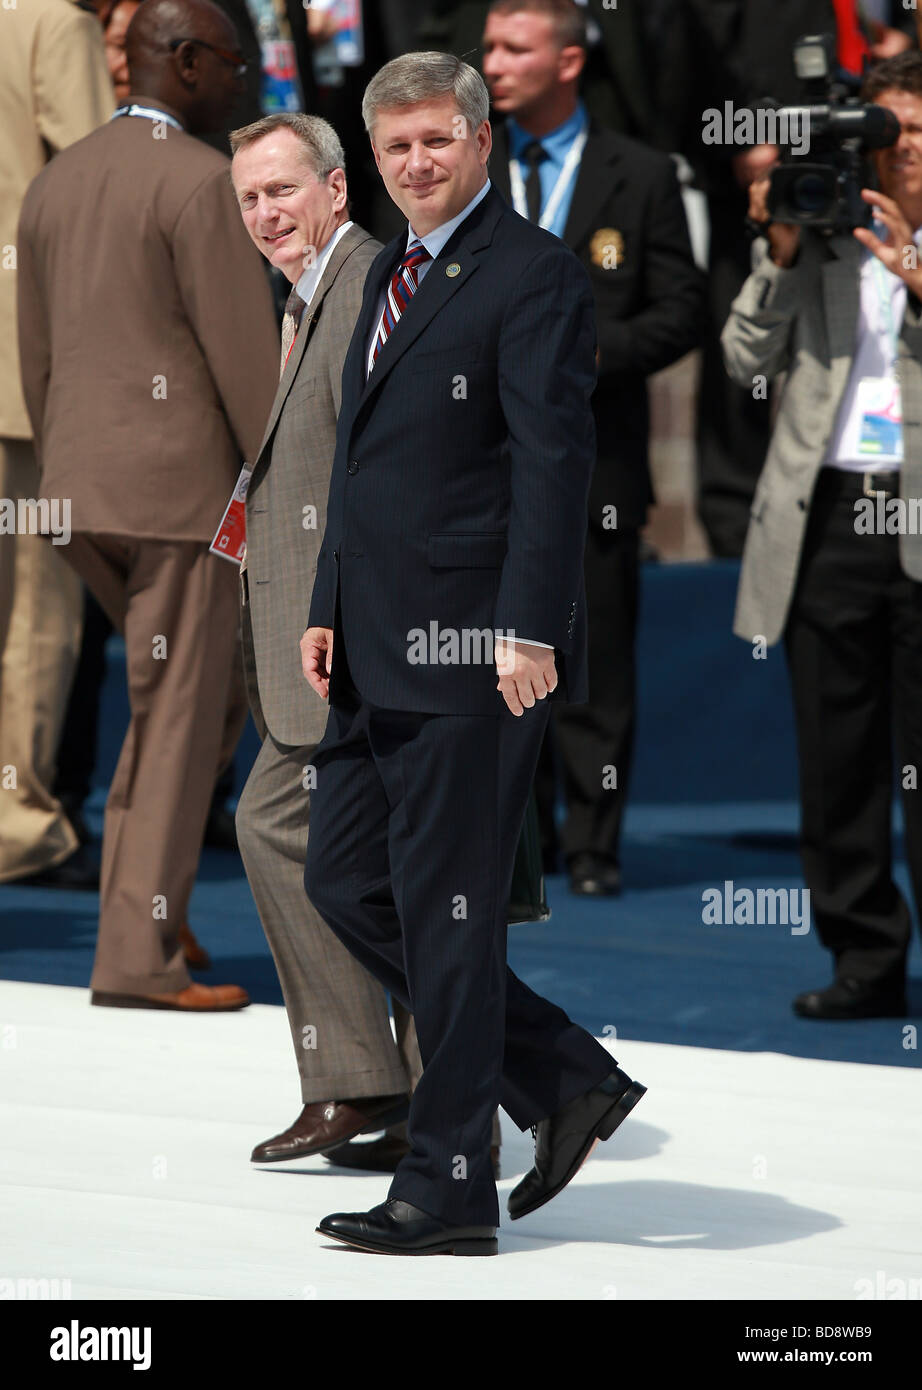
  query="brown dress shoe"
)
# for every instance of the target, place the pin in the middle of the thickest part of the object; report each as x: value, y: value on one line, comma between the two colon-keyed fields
x: 195, y: 955
x: 194, y: 999
x: 382, y: 1155
x: 326, y: 1124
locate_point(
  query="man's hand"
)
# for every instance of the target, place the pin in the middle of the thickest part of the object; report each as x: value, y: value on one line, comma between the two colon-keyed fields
x: 892, y: 252
x: 783, y: 237
x: 317, y: 659
x: 526, y: 673
x: 753, y: 163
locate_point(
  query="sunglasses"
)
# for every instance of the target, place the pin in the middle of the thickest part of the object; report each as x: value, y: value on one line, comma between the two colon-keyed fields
x: 235, y: 60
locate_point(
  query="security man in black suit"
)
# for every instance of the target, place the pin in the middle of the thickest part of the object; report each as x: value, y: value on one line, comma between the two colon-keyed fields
x: 617, y: 204
x: 448, y: 605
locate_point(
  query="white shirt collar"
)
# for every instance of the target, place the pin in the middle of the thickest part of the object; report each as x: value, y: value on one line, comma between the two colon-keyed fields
x: 309, y: 281
x: 436, y: 239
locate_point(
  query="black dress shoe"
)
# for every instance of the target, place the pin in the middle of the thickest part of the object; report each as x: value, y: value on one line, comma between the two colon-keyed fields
x: 79, y: 873
x: 564, y: 1141
x: 382, y: 1155
x: 327, y: 1124
x: 594, y: 877
x: 849, y: 998
x: 396, y: 1228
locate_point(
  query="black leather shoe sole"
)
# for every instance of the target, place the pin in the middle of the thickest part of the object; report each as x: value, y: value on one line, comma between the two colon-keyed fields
x: 604, y: 1129
x: 828, y: 1012
x: 451, y: 1245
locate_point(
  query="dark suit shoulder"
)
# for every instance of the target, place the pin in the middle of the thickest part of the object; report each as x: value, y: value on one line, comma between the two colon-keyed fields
x: 363, y: 254
x: 642, y: 160
x: 527, y: 238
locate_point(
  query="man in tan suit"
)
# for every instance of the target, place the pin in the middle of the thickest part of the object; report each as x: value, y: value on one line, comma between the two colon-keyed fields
x: 147, y: 339
x: 54, y: 89
x: 833, y: 557
x: 290, y: 181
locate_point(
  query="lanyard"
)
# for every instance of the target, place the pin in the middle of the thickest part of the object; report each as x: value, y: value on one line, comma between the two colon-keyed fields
x: 574, y: 154
x: 150, y: 112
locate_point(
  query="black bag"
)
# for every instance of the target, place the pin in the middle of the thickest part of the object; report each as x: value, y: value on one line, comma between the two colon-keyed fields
x: 527, y: 900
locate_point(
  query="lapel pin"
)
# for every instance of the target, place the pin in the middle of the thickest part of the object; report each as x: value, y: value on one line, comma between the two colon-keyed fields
x: 453, y: 270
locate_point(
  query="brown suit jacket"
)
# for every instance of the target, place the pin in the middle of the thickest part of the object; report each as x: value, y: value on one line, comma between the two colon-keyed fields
x: 287, y: 498
x: 54, y: 89
x: 146, y: 330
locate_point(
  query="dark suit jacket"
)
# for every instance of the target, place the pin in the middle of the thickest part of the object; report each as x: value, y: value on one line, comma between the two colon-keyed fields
x: 458, y: 493
x: 649, y: 307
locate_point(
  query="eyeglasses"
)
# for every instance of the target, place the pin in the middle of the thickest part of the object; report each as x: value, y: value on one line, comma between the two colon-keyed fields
x: 235, y: 60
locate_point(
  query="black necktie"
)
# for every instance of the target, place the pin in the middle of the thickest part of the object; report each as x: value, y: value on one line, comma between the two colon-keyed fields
x: 533, y: 155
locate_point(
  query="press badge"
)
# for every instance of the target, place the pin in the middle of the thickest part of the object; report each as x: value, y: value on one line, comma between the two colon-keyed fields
x: 230, y: 540
x: 881, y: 414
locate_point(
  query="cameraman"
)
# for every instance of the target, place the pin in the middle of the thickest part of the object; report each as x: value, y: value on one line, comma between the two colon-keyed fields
x: 842, y: 316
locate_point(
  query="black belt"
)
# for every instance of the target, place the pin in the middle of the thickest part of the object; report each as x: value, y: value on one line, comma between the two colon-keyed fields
x: 845, y: 482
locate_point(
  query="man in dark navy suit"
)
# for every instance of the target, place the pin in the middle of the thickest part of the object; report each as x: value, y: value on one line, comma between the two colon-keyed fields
x: 448, y: 605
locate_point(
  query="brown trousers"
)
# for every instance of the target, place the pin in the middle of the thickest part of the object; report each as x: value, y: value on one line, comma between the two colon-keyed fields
x: 177, y: 607
x: 41, y: 616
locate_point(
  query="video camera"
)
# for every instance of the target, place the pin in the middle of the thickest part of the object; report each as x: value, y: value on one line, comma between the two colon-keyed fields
x: 824, y: 192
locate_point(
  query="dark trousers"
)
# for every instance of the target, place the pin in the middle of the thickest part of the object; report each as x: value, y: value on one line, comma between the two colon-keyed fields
x: 733, y: 426
x: 414, y: 824
x: 854, y: 646
x: 77, y: 748
x: 599, y: 735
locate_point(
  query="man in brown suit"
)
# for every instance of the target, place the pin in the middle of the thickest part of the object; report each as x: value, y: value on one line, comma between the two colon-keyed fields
x: 54, y: 89
x: 289, y: 177
x: 147, y: 339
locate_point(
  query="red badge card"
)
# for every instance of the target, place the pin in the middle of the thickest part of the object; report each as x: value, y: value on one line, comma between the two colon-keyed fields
x: 230, y: 541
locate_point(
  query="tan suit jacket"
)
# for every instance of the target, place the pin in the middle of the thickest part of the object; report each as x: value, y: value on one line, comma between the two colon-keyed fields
x: 287, y: 498
x: 54, y: 89
x: 804, y: 321
x: 147, y: 336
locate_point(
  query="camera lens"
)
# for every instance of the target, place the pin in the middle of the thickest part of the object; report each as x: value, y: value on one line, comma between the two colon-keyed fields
x: 809, y: 193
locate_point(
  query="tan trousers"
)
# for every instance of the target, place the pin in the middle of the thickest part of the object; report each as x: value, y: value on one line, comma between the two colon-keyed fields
x: 177, y: 608
x: 41, y: 616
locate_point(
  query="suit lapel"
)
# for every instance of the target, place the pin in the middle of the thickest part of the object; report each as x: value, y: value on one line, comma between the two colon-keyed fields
x: 596, y: 180
x: 348, y: 243
x: 378, y: 277
x: 463, y: 249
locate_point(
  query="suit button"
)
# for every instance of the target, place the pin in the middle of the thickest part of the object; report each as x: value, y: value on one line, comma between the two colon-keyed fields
x: 336, y: 557
x: 352, y: 468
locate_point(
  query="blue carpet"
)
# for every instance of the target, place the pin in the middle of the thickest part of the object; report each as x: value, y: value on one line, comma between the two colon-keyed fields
x: 713, y: 799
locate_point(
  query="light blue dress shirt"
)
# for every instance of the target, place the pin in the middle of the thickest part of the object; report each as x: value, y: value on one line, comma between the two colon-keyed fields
x: 557, y: 143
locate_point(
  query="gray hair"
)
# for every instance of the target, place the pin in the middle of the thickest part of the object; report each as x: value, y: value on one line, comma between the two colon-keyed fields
x: 415, y: 77
x: 322, y: 145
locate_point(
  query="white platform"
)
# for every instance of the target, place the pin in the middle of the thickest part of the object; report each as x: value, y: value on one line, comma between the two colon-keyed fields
x: 124, y: 1169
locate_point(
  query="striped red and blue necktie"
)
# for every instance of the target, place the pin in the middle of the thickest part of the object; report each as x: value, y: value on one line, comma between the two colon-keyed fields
x: 403, y: 286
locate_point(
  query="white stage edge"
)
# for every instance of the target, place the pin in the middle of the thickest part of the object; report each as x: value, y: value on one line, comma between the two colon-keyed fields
x: 125, y: 1174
